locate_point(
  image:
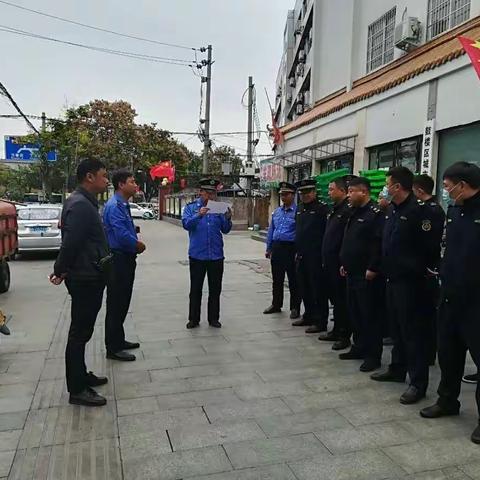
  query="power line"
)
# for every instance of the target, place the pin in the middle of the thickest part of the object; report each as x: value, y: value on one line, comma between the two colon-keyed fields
x: 80, y: 24
x: 139, y: 56
x: 6, y: 93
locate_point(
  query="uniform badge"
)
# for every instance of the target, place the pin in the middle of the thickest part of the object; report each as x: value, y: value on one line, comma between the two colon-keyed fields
x: 426, y: 225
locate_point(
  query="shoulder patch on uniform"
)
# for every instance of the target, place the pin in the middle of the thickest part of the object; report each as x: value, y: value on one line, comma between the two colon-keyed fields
x: 426, y: 225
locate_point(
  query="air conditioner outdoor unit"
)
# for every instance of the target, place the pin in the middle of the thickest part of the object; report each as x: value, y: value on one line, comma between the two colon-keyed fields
x: 301, y: 56
x: 289, y: 98
x: 299, y: 109
x: 299, y: 29
x: 292, y: 82
x: 407, y: 34
x: 300, y: 70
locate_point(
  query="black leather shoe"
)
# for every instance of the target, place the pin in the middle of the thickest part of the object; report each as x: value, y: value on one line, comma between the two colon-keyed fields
x: 369, y: 365
x: 215, y: 324
x: 294, y: 313
x: 130, y: 345
x: 388, y: 376
x: 315, y: 329
x: 411, y: 395
x: 121, y: 356
x: 301, y: 322
x: 94, y: 381
x: 89, y: 398
x: 341, y: 344
x: 472, y: 378
x: 351, y: 355
x: 191, y: 325
x: 328, y: 337
x: 436, y: 411
x: 271, y: 309
x: 475, y: 438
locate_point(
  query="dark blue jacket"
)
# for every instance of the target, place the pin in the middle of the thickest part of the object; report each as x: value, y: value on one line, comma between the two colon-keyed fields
x: 206, y: 233
x: 119, y: 225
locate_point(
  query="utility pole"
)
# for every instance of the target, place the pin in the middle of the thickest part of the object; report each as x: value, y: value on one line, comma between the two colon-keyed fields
x: 208, y: 81
x: 250, y: 121
x: 43, y: 159
x: 249, y: 162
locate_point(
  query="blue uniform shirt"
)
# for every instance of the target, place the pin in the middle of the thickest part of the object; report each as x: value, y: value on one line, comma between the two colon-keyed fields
x: 206, y: 239
x: 282, y: 226
x: 119, y: 225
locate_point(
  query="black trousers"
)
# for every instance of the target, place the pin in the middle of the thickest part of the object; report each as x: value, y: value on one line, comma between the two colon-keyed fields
x: 214, y: 271
x: 313, y: 290
x: 366, y: 314
x: 337, y: 293
x: 410, y: 330
x: 119, y: 295
x: 87, y: 299
x: 283, y: 262
x: 458, y: 331
x: 432, y: 300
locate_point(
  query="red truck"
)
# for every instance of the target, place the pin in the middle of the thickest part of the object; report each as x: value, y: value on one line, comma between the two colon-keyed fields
x: 8, y: 241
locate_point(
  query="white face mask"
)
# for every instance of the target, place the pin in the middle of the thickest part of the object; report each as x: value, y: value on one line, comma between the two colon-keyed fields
x: 447, y: 198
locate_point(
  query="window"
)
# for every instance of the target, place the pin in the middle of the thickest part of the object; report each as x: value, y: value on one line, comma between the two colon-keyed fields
x: 380, y: 47
x: 446, y: 14
x: 38, y: 214
x: 405, y: 153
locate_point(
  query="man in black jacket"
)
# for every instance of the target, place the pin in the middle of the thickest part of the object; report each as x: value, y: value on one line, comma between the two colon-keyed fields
x: 423, y: 186
x: 83, y: 264
x: 311, y: 220
x: 336, y: 284
x: 458, y: 327
x: 360, y: 258
x: 410, y: 253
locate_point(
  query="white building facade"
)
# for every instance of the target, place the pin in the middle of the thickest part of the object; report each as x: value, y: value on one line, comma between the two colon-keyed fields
x: 368, y: 84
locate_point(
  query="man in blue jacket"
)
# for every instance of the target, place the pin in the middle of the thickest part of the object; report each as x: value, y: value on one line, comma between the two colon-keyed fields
x: 125, y: 246
x: 205, y: 252
x: 281, y: 252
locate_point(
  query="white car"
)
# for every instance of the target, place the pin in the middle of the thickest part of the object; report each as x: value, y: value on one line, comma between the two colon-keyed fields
x: 39, y: 228
x: 140, y: 212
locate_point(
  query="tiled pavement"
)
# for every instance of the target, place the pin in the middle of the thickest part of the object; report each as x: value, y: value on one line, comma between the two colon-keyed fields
x: 255, y: 400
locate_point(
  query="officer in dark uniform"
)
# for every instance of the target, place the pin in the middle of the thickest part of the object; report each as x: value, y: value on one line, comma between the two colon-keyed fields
x: 281, y: 252
x: 336, y: 284
x: 458, y: 326
x: 205, y: 252
x: 360, y: 258
x: 423, y: 186
x: 408, y: 252
x: 310, y: 229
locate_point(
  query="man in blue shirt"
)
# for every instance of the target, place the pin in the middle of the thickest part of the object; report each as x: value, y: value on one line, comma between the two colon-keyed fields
x: 124, y: 244
x: 205, y: 252
x: 281, y: 252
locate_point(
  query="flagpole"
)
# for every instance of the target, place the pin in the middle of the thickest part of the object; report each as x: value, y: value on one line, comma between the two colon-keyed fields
x: 268, y: 100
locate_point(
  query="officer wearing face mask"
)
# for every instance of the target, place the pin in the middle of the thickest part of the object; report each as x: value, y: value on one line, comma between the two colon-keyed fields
x: 459, y: 328
x: 423, y: 186
x: 407, y: 260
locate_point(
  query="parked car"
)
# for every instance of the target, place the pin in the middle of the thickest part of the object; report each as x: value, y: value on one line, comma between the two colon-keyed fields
x: 8, y: 242
x: 140, y: 212
x: 39, y: 228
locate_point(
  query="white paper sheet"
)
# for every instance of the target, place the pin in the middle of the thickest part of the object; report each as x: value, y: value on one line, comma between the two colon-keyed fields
x: 217, y: 207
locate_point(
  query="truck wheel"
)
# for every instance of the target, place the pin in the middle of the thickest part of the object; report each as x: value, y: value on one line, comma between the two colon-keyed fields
x: 4, y: 276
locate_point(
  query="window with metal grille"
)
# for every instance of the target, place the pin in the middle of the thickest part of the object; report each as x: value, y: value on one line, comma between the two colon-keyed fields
x: 446, y: 14
x: 380, y: 47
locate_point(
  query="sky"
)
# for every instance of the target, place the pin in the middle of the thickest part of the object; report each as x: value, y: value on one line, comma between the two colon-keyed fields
x: 247, y: 39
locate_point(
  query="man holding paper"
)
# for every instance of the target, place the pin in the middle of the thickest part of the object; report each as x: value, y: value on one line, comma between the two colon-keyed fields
x: 206, y: 221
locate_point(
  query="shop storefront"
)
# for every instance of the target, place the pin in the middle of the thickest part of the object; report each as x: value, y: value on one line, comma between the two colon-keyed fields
x: 405, y: 153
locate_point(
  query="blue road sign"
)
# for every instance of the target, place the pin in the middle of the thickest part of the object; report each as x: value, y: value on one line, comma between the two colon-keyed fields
x: 15, y: 151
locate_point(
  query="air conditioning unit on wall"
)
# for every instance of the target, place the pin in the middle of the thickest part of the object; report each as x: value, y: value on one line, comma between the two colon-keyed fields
x: 407, y: 34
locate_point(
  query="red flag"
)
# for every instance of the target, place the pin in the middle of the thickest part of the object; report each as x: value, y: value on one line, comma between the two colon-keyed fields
x: 163, y: 170
x: 472, y: 47
x: 278, y: 137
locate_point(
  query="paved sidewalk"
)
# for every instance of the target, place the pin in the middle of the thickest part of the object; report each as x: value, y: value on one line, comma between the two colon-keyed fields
x: 255, y: 400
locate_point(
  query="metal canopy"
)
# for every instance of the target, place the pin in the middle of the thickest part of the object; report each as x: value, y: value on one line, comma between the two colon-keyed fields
x: 320, y: 151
